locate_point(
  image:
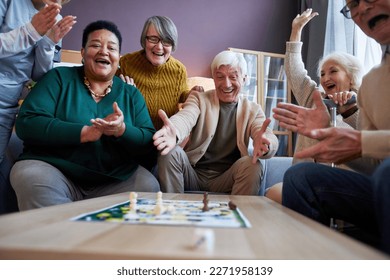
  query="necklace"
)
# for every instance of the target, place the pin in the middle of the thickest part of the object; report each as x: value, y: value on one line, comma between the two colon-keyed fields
x: 88, y: 85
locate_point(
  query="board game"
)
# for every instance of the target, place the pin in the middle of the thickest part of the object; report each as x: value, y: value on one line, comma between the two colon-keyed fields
x: 177, y: 213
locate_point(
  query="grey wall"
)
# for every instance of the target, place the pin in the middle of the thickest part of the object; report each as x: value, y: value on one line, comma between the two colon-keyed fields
x: 205, y: 27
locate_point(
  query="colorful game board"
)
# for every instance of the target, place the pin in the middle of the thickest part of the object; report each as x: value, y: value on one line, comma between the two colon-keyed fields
x: 178, y: 213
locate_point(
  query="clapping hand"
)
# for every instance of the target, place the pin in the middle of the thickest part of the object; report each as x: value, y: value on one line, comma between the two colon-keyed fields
x: 45, y: 19
x: 300, y: 119
x: 335, y: 145
x: 111, y: 125
x: 61, y: 28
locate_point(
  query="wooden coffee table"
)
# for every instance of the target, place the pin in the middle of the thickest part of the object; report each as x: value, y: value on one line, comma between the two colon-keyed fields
x: 276, y: 233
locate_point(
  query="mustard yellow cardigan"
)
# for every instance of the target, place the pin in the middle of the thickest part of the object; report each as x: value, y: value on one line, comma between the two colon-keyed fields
x: 163, y: 86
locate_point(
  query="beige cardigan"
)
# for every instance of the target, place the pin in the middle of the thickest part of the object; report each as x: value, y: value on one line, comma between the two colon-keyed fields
x: 374, y: 101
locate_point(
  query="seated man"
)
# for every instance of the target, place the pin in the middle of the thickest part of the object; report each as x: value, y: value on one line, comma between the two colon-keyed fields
x: 322, y: 192
x: 219, y: 124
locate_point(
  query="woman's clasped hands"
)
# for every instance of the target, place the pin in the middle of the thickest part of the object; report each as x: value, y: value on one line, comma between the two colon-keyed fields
x: 111, y: 125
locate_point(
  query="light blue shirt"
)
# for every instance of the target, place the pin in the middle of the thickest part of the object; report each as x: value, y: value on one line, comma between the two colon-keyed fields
x: 24, y: 55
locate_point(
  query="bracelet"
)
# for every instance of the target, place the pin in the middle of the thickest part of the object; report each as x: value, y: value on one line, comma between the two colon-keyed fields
x: 349, y: 112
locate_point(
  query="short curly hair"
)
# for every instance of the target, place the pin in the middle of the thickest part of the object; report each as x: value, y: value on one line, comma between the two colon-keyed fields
x: 99, y: 25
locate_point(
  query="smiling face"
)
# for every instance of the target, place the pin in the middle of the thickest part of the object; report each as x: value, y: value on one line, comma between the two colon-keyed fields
x: 157, y: 54
x: 228, y: 81
x: 334, y: 78
x: 373, y: 20
x: 101, y: 55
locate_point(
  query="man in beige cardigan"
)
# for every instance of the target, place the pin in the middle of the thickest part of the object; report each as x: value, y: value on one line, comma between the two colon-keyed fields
x: 219, y: 124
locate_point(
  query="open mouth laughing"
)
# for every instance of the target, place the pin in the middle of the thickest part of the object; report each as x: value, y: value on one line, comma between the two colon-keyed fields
x: 377, y: 20
x: 103, y: 61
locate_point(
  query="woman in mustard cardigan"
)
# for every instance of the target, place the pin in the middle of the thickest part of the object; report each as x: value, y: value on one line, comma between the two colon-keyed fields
x: 160, y: 77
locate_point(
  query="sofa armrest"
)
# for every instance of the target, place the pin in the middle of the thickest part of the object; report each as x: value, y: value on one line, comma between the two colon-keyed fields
x: 273, y: 171
x: 8, y: 202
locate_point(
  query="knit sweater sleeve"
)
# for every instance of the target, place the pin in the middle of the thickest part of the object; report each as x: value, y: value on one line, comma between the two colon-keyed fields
x: 373, y: 120
x: 301, y: 84
x: 37, y: 122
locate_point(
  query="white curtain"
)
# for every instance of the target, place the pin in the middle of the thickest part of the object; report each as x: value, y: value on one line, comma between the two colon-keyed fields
x: 343, y: 34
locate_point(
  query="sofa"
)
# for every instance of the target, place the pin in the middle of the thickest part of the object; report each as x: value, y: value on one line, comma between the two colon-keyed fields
x: 274, y: 169
x: 8, y: 202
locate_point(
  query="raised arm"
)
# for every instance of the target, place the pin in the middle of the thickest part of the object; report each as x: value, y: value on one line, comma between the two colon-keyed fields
x: 299, y: 22
x: 24, y: 37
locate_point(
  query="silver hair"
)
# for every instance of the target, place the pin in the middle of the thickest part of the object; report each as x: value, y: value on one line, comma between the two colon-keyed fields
x: 349, y: 63
x: 234, y: 59
x: 165, y: 28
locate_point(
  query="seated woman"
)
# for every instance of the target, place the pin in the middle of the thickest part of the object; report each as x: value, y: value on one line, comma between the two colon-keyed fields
x: 340, y: 78
x: 84, y: 130
x: 160, y: 77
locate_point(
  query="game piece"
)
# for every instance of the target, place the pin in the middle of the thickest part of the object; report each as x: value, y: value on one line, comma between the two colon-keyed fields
x: 159, y: 198
x: 171, y: 209
x: 205, y: 202
x: 232, y: 206
x: 133, y: 201
x: 159, y: 209
x: 173, y: 213
x: 203, y: 239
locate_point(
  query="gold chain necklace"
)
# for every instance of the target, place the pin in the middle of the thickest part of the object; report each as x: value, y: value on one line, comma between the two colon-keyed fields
x: 88, y: 85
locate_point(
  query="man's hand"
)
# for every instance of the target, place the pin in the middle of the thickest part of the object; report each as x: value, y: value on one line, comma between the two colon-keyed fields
x: 336, y: 145
x: 300, y: 119
x: 165, y: 138
x: 260, y: 143
x: 45, y: 18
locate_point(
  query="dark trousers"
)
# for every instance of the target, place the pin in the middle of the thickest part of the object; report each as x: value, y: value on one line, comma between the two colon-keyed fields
x: 322, y: 192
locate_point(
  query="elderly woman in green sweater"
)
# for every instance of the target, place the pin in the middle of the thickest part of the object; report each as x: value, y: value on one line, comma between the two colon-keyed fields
x: 84, y: 130
x: 160, y: 77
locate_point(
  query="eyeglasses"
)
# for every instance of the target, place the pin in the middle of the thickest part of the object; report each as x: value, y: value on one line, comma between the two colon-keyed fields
x: 155, y: 40
x: 350, y: 10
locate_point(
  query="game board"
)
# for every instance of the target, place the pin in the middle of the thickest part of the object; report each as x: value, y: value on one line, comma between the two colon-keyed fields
x: 181, y: 213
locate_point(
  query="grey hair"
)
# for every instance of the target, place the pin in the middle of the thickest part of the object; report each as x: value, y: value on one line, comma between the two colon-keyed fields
x: 349, y: 63
x: 165, y: 28
x: 234, y: 59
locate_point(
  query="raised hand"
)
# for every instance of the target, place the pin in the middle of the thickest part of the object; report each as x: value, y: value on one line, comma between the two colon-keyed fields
x: 299, y: 22
x: 111, y: 125
x: 61, y: 28
x: 336, y: 145
x: 45, y: 18
x: 165, y: 138
x: 301, y: 119
x: 260, y: 142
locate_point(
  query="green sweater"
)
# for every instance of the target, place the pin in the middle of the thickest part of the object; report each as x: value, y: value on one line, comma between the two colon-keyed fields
x: 52, y: 116
x: 163, y: 86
